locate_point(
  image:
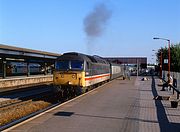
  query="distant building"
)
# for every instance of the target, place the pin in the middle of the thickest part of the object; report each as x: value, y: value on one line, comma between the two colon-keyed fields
x: 141, y: 61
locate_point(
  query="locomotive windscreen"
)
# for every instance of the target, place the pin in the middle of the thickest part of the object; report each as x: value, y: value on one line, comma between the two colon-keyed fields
x: 76, y: 65
x: 62, y: 65
x: 69, y: 65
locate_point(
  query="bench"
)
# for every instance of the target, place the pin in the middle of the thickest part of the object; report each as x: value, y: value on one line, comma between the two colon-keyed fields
x: 174, y: 87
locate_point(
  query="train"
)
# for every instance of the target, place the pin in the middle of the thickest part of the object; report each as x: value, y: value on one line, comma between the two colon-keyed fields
x: 20, y: 68
x: 76, y: 73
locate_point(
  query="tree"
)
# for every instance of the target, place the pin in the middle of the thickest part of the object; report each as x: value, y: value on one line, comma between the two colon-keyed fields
x: 175, y: 57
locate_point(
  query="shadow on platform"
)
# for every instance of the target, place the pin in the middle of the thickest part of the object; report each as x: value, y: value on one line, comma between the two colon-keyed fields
x: 65, y: 113
x: 165, y: 125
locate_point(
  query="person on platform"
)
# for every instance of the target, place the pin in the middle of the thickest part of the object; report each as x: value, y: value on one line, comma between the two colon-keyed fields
x: 128, y: 74
x: 169, y: 82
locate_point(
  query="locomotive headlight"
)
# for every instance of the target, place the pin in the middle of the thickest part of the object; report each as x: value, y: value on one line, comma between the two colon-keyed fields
x: 62, y: 76
x: 73, y: 76
x: 69, y: 83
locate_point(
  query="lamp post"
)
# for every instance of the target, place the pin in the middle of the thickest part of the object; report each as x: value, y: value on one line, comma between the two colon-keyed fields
x: 160, y: 63
x: 153, y: 59
x: 168, y: 55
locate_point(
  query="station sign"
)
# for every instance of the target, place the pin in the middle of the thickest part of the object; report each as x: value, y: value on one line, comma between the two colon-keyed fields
x: 165, y: 61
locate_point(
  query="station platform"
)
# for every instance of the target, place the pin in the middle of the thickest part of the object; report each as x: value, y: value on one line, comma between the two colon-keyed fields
x: 118, y: 106
x: 17, y: 82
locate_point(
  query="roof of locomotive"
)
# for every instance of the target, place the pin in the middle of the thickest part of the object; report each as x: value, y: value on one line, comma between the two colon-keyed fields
x: 80, y: 56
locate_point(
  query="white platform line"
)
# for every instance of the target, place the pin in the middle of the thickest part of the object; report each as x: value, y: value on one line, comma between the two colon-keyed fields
x: 28, y: 120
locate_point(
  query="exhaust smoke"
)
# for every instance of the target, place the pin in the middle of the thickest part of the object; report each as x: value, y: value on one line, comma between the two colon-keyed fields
x: 95, y: 23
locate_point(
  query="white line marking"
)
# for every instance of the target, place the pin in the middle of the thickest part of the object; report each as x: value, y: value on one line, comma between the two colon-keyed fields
x: 30, y: 119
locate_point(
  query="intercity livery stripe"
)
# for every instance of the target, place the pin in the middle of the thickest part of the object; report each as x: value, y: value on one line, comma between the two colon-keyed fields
x: 96, y: 76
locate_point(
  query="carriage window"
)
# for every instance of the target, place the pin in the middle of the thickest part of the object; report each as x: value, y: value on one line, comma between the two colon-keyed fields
x: 76, y: 65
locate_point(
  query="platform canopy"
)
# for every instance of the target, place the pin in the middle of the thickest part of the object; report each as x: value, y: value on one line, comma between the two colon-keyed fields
x: 27, y: 56
x: 16, y: 52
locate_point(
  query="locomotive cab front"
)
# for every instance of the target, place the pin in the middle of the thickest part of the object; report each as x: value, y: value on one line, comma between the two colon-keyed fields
x: 69, y: 73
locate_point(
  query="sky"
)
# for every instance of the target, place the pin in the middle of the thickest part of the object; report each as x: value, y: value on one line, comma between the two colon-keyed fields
x: 126, y: 27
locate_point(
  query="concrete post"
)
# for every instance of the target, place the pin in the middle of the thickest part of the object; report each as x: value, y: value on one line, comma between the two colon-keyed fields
x: 4, y: 67
x: 45, y: 68
x: 28, y: 68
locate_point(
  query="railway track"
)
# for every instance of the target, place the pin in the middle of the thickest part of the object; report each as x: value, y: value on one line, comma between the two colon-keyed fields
x: 41, y: 111
x: 13, y: 110
x: 24, y: 118
x: 16, y: 89
x: 20, y: 104
x: 46, y: 101
x: 8, y: 103
x: 27, y: 107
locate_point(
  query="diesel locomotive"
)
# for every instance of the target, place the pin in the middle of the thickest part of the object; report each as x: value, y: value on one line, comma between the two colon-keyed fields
x: 76, y: 73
